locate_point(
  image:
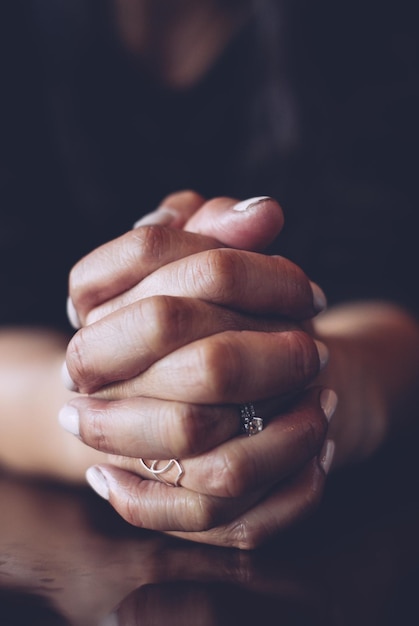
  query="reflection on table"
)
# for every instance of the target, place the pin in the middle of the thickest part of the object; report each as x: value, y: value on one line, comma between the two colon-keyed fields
x: 67, y: 559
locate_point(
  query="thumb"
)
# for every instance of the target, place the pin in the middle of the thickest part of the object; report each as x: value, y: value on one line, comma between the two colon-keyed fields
x: 251, y: 224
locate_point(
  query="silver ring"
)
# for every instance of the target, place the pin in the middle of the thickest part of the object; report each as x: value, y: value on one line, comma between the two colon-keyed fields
x: 251, y: 424
x: 158, y: 472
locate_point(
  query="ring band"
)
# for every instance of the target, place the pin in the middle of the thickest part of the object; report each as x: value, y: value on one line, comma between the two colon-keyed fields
x: 158, y: 473
x: 251, y: 424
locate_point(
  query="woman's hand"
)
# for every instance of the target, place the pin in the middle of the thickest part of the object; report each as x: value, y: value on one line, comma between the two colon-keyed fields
x: 155, y: 290
x: 118, y: 266
x: 240, y: 493
x: 201, y: 326
x: 199, y: 347
x: 179, y: 332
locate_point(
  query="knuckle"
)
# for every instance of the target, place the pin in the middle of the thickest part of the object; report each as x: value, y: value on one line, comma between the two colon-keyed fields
x: 295, y: 288
x: 206, y: 513
x: 218, y: 368
x: 94, y: 432
x: 245, y: 536
x: 130, y: 510
x: 295, y: 279
x: 230, y: 475
x: 79, y: 286
x: 302, y: 356
x: 312, y: 434
x: 131, y: 503
x: 77, y: 357
x: 217, y: 272
x: 84, y: 362
x: 189, y: 430
x: 147, y: 243
x: 168, y: 318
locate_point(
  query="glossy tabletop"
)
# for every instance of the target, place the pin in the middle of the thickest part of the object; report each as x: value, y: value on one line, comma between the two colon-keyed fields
x: 67, y: 559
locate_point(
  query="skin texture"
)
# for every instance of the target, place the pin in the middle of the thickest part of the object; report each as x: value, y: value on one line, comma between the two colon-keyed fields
x: 373, y: 366
x: 171, y: 344
x: 235, y: 491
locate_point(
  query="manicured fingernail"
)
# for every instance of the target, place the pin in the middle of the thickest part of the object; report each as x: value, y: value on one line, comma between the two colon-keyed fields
x: 244, y: 205
x: 328, y: 402
x: 319, y: 299
x: 323, y: 353
x: 98, y: 482
x: 326, y: 455
x: 160, y: 217
x: 66, y: 378
x: 72, y: 315
x: 69, y: 419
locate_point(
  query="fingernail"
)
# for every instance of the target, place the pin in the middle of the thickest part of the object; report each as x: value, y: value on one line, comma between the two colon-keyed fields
x: 326, y: 455
x: 98, y: 482
x: 328, y: 402
x: 66, y: 378
x: 69, y: 419
x: 160, y: 217
x: 72, y: 315
x: 319, y: 299
x: 323, y: 353
x: 244, y: 205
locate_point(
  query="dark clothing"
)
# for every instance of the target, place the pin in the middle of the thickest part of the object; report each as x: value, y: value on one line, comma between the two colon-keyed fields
x: 90, y: 142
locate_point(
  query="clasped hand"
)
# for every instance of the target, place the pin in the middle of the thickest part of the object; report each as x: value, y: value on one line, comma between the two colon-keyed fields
x: 182, y: 320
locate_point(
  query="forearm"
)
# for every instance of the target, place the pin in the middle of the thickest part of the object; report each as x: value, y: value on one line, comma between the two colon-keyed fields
x: 374, y: 368
x: 31, y: 394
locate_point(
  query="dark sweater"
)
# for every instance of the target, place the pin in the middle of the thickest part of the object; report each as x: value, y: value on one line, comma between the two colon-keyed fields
x: 89, y: 142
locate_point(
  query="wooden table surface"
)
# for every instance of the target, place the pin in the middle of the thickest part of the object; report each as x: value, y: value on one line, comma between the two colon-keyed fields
x: 66, y: 558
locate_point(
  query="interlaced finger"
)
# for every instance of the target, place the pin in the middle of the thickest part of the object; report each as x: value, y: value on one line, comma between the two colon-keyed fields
x: 128, y: 341
x: 242, y: 463
x: 229, y: 367
x: 246, y: 281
